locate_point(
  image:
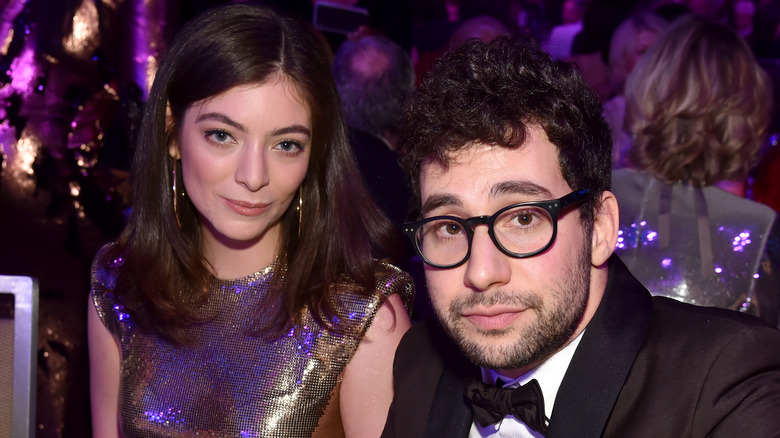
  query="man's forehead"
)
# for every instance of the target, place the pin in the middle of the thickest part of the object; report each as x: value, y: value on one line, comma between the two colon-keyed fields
x: 474, y: 156
x: 486, y: 171
x: 441, y: 161
x: 437, y: 166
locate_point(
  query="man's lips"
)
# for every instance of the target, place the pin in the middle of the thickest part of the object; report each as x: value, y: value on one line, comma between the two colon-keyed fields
x: 246, y: 208
x: 492, y: 318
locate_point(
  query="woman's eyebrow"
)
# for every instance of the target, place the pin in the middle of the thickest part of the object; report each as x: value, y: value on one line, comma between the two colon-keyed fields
x: 293, y: 129
x: 219, y: 117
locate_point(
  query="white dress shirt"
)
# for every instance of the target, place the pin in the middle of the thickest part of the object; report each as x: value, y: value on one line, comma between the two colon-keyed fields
x: 549, y: 375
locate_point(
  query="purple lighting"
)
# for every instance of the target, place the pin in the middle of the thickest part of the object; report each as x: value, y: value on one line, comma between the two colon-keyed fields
x: 741, y: 241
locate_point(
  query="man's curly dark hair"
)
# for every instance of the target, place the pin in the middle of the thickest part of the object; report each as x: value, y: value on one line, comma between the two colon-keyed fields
x: 489, y: 93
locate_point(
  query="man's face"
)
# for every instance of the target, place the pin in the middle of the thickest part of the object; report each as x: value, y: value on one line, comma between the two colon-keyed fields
x: 508, y: 313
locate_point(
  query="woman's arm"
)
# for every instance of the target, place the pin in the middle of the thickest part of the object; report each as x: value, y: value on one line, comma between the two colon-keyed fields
x: 367, y: 387
x: 103, y: 376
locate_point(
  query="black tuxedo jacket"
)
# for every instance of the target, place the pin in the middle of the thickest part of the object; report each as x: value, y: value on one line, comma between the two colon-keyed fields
x: 645, y: 367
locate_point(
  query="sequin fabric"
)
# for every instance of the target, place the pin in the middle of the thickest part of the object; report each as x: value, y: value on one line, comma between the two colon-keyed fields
x: 231, y: 384
x: 743, y: 236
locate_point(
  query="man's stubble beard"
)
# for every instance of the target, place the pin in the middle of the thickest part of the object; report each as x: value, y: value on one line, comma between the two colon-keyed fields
x: 533, y: 343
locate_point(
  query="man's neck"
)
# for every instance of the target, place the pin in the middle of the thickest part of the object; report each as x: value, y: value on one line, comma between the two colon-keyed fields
x: 516, y: 373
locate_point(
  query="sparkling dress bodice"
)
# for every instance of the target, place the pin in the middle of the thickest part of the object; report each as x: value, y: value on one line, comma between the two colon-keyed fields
x: 227, y: 382
x: 700, y: 245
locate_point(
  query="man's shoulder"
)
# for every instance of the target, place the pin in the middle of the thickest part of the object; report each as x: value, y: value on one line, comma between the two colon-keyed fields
x: 674, y: 314
x: 715, y: 335
x: 666, y: 318
x: 714, y: 372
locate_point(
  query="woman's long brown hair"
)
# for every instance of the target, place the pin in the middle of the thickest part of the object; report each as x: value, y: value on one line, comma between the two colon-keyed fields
x: 164, y: 275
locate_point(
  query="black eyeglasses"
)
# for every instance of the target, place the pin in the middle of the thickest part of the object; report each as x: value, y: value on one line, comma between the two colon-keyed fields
x: 518, y: 230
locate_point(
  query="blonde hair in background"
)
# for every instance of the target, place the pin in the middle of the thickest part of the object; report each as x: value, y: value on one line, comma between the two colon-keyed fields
x: 698, y: 105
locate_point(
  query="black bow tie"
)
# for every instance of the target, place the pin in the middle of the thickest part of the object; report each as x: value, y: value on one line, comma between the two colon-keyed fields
x: 490, y: 404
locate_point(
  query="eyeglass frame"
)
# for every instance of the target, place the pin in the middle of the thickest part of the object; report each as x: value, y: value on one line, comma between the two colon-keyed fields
x: 553, y: 207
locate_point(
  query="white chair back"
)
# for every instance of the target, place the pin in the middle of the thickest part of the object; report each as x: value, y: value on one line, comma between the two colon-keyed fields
x: 18, y: 355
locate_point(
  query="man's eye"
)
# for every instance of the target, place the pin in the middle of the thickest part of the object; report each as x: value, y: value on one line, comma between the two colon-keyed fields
x: 452, y: 229
x: 524, y: 218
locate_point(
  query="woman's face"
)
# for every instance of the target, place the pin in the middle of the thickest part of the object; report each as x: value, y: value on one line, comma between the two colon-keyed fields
x: 644, y: 39
x: 244, y: 153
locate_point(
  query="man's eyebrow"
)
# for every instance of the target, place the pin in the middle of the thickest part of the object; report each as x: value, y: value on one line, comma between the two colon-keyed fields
x: 520, y: 187
x: 219, y: 117
x: 439, y: 200
x: 502, y: 188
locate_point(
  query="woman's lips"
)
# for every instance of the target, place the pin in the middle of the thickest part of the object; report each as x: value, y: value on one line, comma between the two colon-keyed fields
x: 246, y: 208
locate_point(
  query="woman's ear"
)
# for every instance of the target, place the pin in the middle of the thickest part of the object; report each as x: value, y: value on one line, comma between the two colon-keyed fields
x: 173, y: 150
x: 170, y: 126
x: 605, y: 229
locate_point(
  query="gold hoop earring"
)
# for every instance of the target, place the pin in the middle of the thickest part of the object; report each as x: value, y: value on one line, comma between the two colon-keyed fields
x: 300, y: 209
x: 175, y: 196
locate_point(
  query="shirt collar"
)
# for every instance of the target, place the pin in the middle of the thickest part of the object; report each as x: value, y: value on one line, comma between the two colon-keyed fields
x: 549, y: 374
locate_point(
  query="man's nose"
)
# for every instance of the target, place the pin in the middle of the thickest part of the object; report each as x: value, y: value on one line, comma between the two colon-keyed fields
x: 487, y: 266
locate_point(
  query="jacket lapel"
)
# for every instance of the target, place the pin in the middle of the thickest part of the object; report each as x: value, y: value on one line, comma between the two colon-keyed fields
x: 604, y: 357
x: 450, y: 416
x: 448, y: 413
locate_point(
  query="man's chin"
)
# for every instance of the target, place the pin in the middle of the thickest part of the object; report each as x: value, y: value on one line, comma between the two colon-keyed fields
x: 492, y: 349
x: 492, y: 359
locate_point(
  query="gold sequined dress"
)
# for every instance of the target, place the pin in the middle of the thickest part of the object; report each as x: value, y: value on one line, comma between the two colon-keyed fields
x: 228, y: 383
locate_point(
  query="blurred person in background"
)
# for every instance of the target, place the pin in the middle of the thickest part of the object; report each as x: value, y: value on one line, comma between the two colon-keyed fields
x: 375, y: 77
x: 629, y: 42
x: 698, y: 108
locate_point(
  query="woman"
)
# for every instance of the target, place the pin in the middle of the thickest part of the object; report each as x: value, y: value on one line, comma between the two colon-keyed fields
x: 698, y: 107
x: 243, y: 298
x: 631, y: 39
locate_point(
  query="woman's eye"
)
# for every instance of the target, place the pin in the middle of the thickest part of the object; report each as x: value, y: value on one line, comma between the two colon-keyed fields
x: 289, y: 147
x: 218, y: 136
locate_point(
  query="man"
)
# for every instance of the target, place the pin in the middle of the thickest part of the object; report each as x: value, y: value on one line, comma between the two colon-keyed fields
x: 511, y: 161
x: 375, y: 77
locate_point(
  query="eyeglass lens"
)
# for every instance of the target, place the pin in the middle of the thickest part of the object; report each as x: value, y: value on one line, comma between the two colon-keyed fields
x: 520, y: 230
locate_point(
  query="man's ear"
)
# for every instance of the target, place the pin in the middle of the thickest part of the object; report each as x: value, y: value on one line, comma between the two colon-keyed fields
x: 170, y: 126
x: 605, y: 229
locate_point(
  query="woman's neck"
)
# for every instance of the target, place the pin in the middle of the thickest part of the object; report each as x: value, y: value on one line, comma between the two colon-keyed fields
x: 229, y: 261
x: 738, y: 188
